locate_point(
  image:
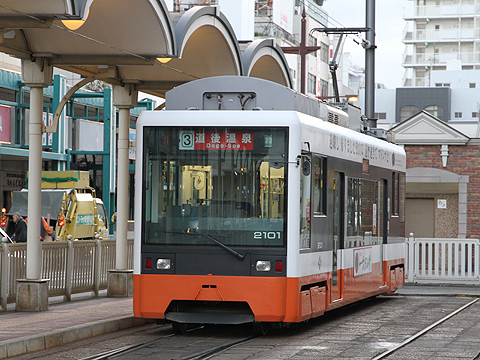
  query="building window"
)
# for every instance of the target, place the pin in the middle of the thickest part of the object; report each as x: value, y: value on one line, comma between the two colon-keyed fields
x: 324, y: 52
x: 458, y: 115
x: 472, y: 85
x: 312, y: 41
x: 435, y: 110
x: 381, y: 116
x: 437, y: 27
x: 408, y: 111
x: 323, y: 87
x: 312, y: 80
x: 438, y: 84
x: 475, y: 114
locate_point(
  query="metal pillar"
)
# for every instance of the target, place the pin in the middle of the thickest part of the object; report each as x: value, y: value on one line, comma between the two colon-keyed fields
x: 108, y: 188
x: 370, y: 64
x: 34, y: 249
x: 120, y: 282
x: 122, y: 188
x: 31, y: 291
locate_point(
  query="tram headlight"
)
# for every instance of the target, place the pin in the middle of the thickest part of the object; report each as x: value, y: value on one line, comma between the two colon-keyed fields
x: 263, y: 265
x: 164, y: 264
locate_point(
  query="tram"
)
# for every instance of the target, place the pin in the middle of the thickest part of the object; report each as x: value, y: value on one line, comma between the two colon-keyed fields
x: 250, y: 210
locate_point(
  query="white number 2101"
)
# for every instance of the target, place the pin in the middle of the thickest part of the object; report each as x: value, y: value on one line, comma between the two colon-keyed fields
x: 270, y: 235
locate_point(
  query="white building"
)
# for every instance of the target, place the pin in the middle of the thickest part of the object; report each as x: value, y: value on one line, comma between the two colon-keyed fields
x: 453, y: 96
x: 438, y: 31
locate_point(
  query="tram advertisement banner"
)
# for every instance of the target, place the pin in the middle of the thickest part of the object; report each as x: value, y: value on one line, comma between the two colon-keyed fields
x: 216, y: 140
x: 5, y: 116
x: 363, y: 261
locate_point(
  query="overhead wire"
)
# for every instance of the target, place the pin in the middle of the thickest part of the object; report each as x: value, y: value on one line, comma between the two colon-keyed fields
x: 338, y: 25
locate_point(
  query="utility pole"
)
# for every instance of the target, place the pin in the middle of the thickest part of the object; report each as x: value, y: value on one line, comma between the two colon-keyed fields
x: 302, y: 50
x: 369, y: 47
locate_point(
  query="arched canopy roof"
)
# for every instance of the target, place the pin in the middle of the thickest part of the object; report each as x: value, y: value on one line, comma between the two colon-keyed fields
x: 128, y: 36
x: 110, y: 35
x: 264, y: 59
x: 61, y: 9
x: 207, y: 46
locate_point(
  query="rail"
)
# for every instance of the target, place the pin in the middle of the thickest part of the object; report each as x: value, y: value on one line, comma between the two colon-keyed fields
x: 449, y: 260
x: 72, y: 266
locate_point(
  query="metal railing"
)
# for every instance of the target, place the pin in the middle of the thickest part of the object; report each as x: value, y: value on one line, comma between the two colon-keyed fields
x: 451, y: 260
x: 72, y: 266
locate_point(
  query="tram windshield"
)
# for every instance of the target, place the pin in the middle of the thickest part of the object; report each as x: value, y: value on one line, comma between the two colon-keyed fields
x: 217, y: 182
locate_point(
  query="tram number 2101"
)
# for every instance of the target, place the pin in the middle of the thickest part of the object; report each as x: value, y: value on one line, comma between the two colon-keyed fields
x: 266, y: 235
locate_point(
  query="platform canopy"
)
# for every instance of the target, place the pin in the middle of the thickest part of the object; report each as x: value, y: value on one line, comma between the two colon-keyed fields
x: 264, y: 59
x: 108, y: 32
x: 137, y: 42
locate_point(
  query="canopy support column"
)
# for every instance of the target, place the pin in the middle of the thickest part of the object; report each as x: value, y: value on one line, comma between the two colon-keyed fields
x: 120, y: 281
x: 32, y: 292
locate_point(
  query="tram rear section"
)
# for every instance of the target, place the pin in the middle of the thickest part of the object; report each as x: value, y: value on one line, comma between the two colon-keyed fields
x: 261, y: 216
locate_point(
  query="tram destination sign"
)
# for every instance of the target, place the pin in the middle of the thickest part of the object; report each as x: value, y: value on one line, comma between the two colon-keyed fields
x: 215, y: 140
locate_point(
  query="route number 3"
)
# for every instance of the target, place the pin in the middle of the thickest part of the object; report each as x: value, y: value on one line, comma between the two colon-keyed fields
x: 187, y: 139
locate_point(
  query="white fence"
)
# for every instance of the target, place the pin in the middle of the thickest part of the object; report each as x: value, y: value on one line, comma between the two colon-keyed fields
x: 72, y: 266
x: 449, y: 260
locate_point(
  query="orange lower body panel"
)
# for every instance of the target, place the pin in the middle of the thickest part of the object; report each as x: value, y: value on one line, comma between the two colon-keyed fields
x: 271, y: 299
x: 265, y: 296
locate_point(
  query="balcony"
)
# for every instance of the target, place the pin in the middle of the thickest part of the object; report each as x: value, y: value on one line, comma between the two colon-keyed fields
x: 406, y: 82
x: 429, y: 59
x: 446, y: 35
x: 443, y: 11
x: 421, y: 82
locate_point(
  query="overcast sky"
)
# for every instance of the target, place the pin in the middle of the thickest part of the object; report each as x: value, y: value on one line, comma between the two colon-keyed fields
x: 389, y: 27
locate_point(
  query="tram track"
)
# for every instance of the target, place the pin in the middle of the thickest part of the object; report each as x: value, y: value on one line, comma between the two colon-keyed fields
x: 414, y: 337
x: 196, y: 355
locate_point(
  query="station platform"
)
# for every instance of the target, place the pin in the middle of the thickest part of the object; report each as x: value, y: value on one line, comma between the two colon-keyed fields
x: 64, y: 322
x: 85, y: 317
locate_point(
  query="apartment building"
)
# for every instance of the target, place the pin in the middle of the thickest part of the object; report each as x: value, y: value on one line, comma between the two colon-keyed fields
x: 438, y: 32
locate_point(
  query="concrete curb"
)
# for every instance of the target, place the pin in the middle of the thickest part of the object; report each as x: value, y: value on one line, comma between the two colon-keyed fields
x: 52, y: 339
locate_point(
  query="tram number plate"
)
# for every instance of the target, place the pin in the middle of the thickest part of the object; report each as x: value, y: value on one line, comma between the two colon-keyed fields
x: 266, y: 235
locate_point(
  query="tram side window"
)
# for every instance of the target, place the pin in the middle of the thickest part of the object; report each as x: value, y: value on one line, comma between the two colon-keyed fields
x: 305, y: 191
x: 362, y: 213
x: 319, y: 186
x: 402, y: 189
x: 395, y: 193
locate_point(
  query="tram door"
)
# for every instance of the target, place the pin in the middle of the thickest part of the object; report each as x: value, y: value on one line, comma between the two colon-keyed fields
x: 338, y: 232
x: 383, y: 222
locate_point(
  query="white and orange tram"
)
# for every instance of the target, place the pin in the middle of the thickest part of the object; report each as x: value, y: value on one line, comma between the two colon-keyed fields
x: 264, y: 216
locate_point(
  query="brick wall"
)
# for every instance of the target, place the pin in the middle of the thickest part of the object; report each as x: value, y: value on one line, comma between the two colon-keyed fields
x: 462, y: 160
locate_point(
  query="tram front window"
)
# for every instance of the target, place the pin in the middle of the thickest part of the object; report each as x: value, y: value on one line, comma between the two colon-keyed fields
x: 227, y: 183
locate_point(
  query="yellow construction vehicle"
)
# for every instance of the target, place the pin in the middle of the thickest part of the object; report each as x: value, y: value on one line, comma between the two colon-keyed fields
x: 68, y: 203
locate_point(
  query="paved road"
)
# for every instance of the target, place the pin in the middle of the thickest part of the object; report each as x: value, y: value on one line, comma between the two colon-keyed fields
x: 360, y: 331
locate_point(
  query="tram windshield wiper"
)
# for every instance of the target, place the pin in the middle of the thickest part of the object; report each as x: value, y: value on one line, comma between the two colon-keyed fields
x: 208, y: 236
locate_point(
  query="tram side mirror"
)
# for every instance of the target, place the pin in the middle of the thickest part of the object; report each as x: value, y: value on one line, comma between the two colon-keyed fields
x: 306, y: 168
